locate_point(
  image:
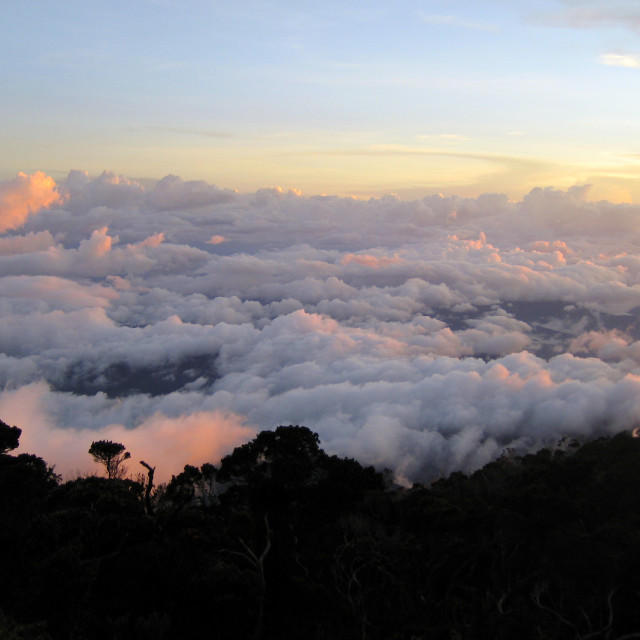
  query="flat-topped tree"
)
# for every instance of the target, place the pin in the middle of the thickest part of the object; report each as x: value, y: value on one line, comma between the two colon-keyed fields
x: 111, y: 455
x: 9, y: 437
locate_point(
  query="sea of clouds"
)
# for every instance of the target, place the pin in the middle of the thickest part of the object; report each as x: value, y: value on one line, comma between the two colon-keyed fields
x: 425, y: 337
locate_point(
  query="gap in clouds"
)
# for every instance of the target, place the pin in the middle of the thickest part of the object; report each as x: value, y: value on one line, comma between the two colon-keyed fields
x: 424, y: 336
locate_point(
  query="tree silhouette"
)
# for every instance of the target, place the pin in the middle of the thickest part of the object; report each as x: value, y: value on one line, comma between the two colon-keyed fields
x: 111, y: 455
x: 9, y: 437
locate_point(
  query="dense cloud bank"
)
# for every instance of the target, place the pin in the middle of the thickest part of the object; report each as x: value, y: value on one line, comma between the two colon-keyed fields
x: 422, y: 336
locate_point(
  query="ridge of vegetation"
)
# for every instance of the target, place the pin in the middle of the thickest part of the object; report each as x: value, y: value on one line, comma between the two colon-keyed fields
x: 281, y: 540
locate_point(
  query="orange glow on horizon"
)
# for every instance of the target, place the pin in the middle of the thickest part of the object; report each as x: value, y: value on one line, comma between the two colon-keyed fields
x: 168, y: 443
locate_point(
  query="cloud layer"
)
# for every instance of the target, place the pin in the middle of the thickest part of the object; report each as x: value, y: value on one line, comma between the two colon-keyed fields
x: 422, y: 336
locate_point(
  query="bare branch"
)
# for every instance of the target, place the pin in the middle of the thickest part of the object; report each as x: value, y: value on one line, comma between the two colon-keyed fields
x: 147, y: 493
x: 535, y: 596
x: 267, y: 547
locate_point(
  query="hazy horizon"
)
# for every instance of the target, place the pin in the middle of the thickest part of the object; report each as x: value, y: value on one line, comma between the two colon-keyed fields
x: 350, y: 98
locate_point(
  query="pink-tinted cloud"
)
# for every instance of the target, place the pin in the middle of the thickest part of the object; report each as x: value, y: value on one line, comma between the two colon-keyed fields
x: 168, y: 443
x: 368, y: 260
x: 30, y: 243
x: 25, y: 195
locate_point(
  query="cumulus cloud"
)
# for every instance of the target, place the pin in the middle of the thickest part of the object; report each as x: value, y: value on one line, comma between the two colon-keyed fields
x: 24, y: 195
x: 30, y: 243
x: 424, y: 336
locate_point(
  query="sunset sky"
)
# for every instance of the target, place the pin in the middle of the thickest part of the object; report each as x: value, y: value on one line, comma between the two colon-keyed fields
x: 460, y: 288
x: 349, y: 98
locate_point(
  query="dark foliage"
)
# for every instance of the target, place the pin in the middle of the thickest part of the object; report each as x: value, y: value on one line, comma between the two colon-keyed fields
x: 9, y: 437
x: 283, y: 541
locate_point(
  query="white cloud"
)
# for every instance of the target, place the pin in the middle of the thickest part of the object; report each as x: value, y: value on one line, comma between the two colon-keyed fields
x: 620, y: 60
x: 424, y: 336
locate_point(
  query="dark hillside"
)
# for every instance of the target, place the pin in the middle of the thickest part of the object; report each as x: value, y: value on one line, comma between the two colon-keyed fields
x: 283, y: 541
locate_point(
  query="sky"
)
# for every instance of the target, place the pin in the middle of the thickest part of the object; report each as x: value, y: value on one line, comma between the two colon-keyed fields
x: 412, y: 227
x: 347, y: 98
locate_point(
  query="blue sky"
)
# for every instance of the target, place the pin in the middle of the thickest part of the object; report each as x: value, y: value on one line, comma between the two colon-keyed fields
x: 360, y: 98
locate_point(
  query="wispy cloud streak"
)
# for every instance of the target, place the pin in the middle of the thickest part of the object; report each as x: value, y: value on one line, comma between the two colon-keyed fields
x: 453, y: 20
x: 621, y: 60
